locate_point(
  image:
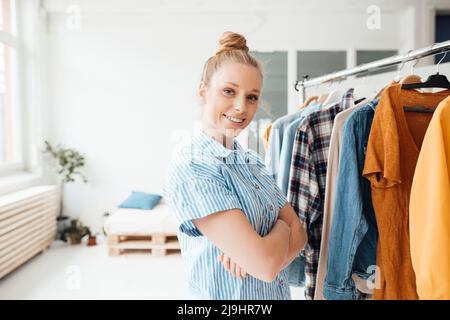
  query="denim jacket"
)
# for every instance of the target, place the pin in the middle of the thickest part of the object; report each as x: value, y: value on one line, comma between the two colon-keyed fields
x: 354, y: 234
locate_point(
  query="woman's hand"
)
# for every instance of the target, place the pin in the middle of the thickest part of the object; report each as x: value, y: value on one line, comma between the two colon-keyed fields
x: 232, y: 267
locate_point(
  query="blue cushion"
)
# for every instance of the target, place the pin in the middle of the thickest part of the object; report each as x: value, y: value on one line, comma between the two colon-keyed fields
x: 141, y: 200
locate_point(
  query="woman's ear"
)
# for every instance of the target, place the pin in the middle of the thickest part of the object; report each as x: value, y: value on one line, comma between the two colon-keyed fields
x: 202, y: 92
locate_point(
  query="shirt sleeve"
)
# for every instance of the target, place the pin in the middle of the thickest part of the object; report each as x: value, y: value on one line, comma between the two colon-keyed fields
x: 272, y: 160
x: 303, y: 193
x: 198, y: 198
x: 348, y: 224
x: 382, y: 163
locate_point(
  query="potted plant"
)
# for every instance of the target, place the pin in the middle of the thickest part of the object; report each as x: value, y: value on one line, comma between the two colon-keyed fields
x: 75, y: 231
x: 69, y: 161
x: 92, y: 240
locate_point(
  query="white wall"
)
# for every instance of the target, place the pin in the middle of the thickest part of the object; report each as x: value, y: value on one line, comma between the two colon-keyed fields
x: 117, y: 88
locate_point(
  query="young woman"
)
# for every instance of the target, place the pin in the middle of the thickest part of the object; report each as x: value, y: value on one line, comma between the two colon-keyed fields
x: 237, y: 232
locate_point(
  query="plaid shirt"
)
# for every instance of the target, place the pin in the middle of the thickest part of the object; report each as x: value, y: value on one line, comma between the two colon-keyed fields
x: 307, y: 180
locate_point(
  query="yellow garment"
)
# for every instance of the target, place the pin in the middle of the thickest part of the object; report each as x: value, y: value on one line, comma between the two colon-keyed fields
x: 266, y: 137
x: 429, y: 209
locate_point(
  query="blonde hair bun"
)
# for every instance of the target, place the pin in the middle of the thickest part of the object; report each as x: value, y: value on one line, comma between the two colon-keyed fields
x: 232, y: 41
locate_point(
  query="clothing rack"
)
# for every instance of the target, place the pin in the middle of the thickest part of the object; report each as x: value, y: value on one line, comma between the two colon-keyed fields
x: 434, y: 49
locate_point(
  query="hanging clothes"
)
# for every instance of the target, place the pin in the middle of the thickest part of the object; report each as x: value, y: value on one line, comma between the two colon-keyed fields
x: 307, y: 180
x: 332, y: 173
x: 353, y: 235
x: 266, y: 137
x: 272, y: 157
x: 429, y: 209
x: 296, y: 270
x: 288, y: 145
x: 392, y: 151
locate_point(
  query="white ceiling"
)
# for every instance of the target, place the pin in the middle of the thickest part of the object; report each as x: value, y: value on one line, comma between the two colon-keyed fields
x: 130, y: 6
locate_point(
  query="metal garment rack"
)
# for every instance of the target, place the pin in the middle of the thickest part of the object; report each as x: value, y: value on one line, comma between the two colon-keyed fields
x: 434, y: 49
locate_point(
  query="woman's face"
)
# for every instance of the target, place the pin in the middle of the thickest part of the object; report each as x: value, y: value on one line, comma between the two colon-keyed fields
x: 231, y: 98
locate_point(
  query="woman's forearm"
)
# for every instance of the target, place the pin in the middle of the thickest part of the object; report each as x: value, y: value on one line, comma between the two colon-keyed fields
x: 297, y: 241
x: 277, y: 244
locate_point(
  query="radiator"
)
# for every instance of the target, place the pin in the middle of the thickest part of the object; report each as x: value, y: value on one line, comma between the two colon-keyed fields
x: 27, y: 225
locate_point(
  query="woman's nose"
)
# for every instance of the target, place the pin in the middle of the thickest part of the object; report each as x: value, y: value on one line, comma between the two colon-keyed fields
x: 239, y: 105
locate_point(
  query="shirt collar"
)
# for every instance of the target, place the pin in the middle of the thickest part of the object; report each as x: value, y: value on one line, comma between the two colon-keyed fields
x: 373, y: 104
x: 208, y: 144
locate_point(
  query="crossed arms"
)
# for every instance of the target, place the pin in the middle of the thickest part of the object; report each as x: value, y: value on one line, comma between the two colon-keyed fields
x: 245, y: 251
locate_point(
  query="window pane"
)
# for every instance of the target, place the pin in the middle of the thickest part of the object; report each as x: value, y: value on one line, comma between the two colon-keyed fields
x: 319, y: 63
x: 366, y: 56
x: 442, y: 34
x: 273, y: 100
x: 10, y: 151
x: 7, y: 16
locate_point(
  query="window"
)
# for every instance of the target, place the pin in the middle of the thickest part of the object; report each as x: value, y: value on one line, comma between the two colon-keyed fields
x: 274, y: 98
x: 319, y: 63
x: 442, y: 33
x: 366, y: 56
x: 10, y: 124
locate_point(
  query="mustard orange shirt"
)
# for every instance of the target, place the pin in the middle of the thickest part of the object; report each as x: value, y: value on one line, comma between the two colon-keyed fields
x: 429, y: 209
x: 394, y: 143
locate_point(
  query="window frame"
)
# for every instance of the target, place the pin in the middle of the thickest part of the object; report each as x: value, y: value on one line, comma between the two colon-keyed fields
x: 14, y: 41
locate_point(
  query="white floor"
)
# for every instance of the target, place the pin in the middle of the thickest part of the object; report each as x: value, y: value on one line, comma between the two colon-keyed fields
x: 81, y: 272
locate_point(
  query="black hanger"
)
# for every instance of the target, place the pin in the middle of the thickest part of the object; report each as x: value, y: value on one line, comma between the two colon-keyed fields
x: 359, y: 100
x: 434, y: 81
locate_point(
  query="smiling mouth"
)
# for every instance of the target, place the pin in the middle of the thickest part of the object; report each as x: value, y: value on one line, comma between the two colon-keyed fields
x: 233, y: 119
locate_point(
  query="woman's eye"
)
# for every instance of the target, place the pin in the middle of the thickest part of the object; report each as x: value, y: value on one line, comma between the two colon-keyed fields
x: 253, y: 98
x: 228, y: 91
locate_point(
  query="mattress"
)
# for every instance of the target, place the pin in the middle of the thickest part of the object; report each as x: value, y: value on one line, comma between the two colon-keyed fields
x: 137, y: 221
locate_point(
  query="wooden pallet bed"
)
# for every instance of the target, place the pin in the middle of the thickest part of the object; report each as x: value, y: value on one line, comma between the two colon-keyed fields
x: 151, y: 232
x: 158, y: 244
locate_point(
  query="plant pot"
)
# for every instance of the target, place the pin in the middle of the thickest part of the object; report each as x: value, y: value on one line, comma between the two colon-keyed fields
x: 92, y: 241
x: 74, y: 239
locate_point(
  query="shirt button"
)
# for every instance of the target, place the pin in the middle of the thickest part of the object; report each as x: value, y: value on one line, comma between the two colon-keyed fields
x: 256, y: 186
x: 271, y: 207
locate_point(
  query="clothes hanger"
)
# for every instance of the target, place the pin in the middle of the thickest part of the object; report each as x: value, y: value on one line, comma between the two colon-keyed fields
x: 358, y: 101
x: 334, y: 97
x: 308, y: 101
x: 398, y: 77
x: 436, y: 80
x: 396, y: 80
x: 322, y: 98
x: 412, y: 78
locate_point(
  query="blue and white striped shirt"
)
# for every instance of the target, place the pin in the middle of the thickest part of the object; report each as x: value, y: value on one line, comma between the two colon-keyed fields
x: 205, y: 177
